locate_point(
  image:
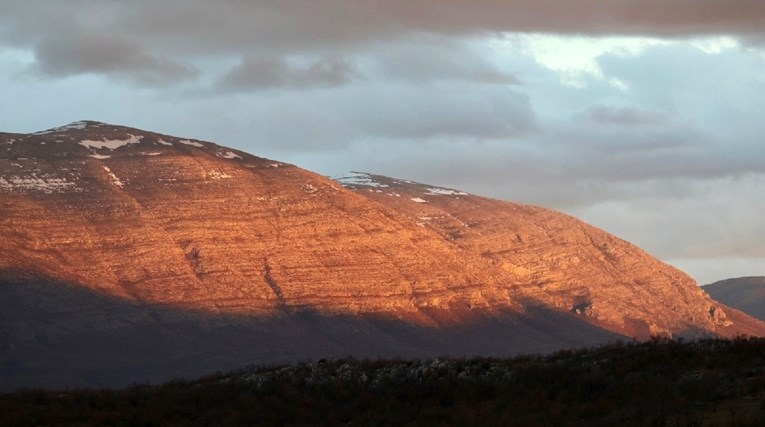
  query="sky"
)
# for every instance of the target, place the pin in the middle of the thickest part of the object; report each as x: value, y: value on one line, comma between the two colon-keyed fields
x: 642, y: 117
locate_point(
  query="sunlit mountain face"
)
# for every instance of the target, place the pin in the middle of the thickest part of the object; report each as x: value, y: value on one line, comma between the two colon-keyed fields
x: 130, y: 255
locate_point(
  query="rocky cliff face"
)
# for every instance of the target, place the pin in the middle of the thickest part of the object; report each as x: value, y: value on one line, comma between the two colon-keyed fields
x: 557, y: 261
x: 744, y: 293
x: 172, y: 228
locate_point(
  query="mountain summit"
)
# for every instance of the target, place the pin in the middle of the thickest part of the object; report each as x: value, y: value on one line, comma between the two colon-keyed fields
x: 148, y: 256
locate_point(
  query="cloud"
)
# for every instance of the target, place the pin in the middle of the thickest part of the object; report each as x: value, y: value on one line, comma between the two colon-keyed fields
x: 214, y: 27
x: 447, y: 112
x: 63, y: 55
x: 708, y: 271
x: 626, y: 116
x: 271, y: 73
x: 295, y: 24
x: 711, y: 229
x: 154, y: 42
x: 437, y: 59
x: 688, y: 219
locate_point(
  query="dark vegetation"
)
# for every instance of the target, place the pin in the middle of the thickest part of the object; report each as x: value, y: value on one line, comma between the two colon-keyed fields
x: 657, y: 383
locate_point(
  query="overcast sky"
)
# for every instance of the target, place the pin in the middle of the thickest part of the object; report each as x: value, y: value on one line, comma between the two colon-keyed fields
x: 643, y: 117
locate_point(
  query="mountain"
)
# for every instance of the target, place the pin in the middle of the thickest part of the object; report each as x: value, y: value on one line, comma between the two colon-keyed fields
x: 130, y: 255
x: 744, y: 293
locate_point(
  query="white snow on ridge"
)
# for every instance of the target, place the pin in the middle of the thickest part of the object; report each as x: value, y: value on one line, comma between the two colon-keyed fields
x: 435, y: 191
x: 165, y: 142
x: 34, y: 183
x: 419, y: 200
x: 229, y: 155
x: 191, y: 143
x: 74, y: 125
x: 71, y: 126
x: 100, y: 156
x: 359, y: 179
x: 113, y: 143
x: 153, y: 153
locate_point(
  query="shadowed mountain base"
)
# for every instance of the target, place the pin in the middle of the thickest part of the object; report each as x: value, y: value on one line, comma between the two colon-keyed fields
x: 78, y: 338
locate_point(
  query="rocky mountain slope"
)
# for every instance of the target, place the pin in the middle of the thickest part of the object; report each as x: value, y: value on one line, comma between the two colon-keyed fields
x: 744, y: 293
x: 558, y: 261
x: 122, y: 245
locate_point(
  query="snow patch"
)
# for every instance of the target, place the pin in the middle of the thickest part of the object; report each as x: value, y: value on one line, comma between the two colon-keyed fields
x: 100, y: 156
x: 218, y: 175
x: 359, y: 179
x: 191, y: 143
x: 113, y: 178
x: 75, y: 125
x: 111, y: 143
x: 229, y: 155
x: 44, y: 184
x: 435, y: 191
x: 153, y: 153
x: 170, y: 144
x: 10, y: 141
x: 418, y: 200
x: 274, y: 165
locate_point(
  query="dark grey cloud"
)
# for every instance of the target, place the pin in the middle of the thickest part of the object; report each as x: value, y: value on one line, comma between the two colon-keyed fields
x: 271, y: 73
x: 296, y: 24
x: 69, y: 54
x: 156, y: 39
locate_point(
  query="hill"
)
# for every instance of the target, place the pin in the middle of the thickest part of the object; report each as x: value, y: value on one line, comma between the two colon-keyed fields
x: 744, y: 293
